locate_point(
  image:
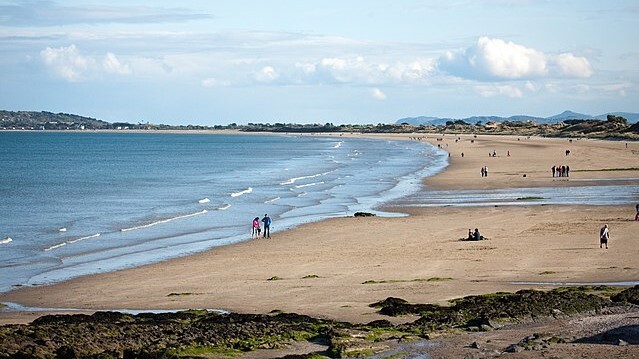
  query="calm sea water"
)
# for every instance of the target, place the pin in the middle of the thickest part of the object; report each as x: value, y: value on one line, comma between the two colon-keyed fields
x: 81, y: 203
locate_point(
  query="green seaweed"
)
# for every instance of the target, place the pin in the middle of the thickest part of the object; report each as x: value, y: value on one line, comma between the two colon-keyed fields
x: 174, y: 294
x: 547, y: 272
x: 433, y: 279
x: 530, y: 198
x: 274, y: 278
x: 310, y: 276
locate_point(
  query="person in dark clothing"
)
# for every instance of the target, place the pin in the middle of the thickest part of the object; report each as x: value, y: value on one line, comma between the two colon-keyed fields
x: 477, y: 236
x: 267, y: 226
x: 604, y: 236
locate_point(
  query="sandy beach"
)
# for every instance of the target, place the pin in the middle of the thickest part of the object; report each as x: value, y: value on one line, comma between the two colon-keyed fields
x: 336, y: 268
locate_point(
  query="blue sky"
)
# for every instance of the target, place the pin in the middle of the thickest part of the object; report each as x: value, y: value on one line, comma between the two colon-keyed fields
x: 217, y: 62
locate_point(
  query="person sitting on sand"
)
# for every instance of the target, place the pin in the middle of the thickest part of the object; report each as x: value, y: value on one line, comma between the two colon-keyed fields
x: 604, y: 235
x: 477, y: 236
x: 470, y: 235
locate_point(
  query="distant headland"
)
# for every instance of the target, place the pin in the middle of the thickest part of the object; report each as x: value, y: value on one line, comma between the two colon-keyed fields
x: 615, y: 125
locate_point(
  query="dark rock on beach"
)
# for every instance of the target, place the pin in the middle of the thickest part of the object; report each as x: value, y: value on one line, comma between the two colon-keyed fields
x: 364, y: 214
x: 198, y: 333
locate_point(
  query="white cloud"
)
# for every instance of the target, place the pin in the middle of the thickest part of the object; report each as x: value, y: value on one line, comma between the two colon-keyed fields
x: 213, y: 82
x: 266, y: 74
x: 112, y: 65
x: 378, y: 94
x: 572, y: 66
x: 499, y: 90
x: 496, y: 59
x: 69, y: 64
x: 358, y: 70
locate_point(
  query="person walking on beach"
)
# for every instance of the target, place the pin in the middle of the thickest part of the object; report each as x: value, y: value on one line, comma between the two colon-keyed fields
x: 256, y: 228
x: 483, y: 172
x: 486, y: 171
x: 267, y: 226
x: 604, y: 235
x: 553, y: 171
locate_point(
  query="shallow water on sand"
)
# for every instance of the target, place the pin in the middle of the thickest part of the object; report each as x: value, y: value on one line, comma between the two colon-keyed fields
x: 81, y: 203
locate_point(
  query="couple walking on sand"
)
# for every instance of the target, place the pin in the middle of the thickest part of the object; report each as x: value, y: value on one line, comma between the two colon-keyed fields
x: 256, y: 229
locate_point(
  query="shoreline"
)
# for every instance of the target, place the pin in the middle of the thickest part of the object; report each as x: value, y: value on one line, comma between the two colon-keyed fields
x: 224, y: 277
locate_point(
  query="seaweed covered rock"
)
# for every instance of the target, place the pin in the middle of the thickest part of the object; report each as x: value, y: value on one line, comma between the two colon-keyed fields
x: 117, y: 335
x: 630, y: 295
x: 394, y: 307
x: 364, y: 214
x: 484, y: 312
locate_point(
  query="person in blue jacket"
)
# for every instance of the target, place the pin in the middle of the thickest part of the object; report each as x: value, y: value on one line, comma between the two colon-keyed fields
x: 267, y: 226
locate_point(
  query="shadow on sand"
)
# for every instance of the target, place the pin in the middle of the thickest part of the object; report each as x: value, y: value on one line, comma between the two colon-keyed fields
x: 627, y: 333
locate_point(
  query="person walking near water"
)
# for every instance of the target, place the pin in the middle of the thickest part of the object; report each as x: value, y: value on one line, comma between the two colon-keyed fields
x: 604, y: 235
x: 256, y: 228
x: 267, y: 226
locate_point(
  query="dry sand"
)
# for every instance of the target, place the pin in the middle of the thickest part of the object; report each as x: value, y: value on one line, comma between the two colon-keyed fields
x: 320, y: 269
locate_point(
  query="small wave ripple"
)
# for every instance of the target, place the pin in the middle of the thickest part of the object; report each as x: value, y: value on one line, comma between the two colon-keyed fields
x: 164, y: 221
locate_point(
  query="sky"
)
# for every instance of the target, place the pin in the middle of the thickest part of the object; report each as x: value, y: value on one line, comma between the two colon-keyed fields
x: 292, y: 61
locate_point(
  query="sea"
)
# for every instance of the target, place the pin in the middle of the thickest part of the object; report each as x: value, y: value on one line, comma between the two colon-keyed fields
x: 79, y: 203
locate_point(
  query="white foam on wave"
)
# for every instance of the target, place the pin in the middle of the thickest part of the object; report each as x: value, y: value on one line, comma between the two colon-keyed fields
x: 309, y: 184
x: 224, y: 207
x: 339, y: 144
x: 204, y: 200
x: 55, y: 246
x: 302, y: 194
x: 83, y: 238
x: 164, y: 221
x: 237, y: 194
x: 272, y: 200
x: 295, y: 179
x: 7, y: 240
x: 63, y: 229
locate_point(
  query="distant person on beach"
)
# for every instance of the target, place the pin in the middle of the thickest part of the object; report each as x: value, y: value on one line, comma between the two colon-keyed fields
x: 256, y: 228
x: 486, y: 171
x: 477, y: 236
x: 470, y: 235
x: 462, y: 154
x: 267, y: 226
x: 553, y: 171
x: 637, y: 207
x: 483, y: 173
x: 567, y: 171
x: 604, y: 235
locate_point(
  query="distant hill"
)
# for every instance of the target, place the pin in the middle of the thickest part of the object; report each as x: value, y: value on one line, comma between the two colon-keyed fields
x: 566, y: 115
x: 31, y: 120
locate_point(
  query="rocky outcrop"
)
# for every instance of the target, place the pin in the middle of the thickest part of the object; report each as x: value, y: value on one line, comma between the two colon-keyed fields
x: 198, y: 333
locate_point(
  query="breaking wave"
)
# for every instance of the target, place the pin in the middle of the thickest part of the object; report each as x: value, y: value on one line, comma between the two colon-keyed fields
x: 163, y: 221
x: 237, y: 194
